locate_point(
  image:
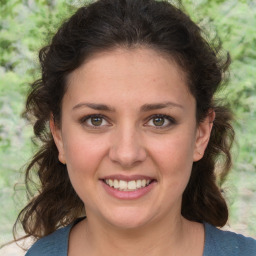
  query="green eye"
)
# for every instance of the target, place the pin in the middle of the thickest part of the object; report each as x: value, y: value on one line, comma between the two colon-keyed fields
x: 161, y: 121
x: 96, y: 121
x: 158, y: 121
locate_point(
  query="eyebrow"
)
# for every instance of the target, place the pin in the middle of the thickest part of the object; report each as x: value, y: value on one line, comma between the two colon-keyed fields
x: 94, y: 106
x: 149, y: 107
x: 144, y: 108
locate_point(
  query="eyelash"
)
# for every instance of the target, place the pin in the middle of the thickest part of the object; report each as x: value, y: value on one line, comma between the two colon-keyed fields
x: 86, y: 118
x: 171, y: 121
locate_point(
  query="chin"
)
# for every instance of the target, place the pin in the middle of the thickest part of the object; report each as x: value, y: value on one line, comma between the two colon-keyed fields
x: 128, y: 218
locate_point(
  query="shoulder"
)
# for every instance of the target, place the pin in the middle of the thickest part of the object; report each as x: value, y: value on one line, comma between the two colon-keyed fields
x: 226, y: 243
x: 53, y: 244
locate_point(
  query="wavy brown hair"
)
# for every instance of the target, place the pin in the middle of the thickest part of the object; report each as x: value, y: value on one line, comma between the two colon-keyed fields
x: 101, y: 26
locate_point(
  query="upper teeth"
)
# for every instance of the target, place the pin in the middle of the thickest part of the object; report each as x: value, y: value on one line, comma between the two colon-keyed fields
x: 127, y: 185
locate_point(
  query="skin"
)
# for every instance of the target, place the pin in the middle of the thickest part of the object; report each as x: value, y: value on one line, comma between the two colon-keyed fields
x: 128, y: 142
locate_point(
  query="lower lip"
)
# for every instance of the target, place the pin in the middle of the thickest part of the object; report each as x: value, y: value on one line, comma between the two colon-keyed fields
x: 128, y: 194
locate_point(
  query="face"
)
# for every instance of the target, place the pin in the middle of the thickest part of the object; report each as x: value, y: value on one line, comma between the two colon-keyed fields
x: 129, y: 136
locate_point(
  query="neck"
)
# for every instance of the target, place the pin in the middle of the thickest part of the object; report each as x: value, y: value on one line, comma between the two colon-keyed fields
x: 160, y: 238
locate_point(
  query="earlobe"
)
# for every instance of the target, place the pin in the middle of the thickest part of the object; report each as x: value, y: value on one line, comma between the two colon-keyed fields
x: 56, y: 133
x: 203, y: 135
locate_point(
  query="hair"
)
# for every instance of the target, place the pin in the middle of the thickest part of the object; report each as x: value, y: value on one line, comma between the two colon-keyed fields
x: 102, y: 26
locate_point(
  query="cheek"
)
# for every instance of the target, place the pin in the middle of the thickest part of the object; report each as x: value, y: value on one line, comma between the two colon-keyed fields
x: 83, y: 157
x: 177, y: 149
x: 174, y: 157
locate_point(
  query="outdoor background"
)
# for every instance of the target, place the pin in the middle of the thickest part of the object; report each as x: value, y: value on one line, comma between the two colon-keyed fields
x: 27, y: 25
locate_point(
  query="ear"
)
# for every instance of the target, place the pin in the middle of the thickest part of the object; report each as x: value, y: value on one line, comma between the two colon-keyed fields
x: 56, y: 133
x: 203, y: 135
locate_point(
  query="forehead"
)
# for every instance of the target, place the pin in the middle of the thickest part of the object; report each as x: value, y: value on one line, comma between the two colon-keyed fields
x: 139, y: 74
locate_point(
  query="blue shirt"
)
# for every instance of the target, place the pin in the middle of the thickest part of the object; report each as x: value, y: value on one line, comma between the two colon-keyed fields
x: 217, y: 243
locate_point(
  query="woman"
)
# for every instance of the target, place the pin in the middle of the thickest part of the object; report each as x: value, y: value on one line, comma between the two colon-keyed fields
x: 128, y: 164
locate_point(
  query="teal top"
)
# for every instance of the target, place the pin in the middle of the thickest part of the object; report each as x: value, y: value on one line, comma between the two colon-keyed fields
x: 217, y: 243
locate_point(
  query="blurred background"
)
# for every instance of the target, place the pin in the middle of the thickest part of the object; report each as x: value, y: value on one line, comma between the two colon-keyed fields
x: 27, y: 25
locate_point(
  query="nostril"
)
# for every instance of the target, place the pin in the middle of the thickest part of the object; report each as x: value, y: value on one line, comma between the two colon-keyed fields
x: 127, y: 157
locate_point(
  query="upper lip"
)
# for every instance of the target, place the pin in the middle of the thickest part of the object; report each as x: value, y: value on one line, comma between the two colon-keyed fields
x: 127, y: 178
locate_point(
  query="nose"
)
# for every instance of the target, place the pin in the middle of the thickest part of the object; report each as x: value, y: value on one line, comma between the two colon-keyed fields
x: 127, y: 148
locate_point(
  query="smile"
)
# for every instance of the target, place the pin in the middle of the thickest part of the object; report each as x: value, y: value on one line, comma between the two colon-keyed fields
x: 131, y: 185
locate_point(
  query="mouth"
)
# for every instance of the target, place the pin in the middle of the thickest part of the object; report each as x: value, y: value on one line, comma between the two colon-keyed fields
x: 131, y: 185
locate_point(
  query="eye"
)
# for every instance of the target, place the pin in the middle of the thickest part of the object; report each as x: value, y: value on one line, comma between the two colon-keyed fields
x: 94, y: 121
x: 160, y: 121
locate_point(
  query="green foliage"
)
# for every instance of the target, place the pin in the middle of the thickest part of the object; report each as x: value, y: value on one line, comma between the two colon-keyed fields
x: 26, y: 26
x: 235, y: 22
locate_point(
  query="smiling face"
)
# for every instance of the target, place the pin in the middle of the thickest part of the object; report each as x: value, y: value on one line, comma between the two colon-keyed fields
x: 129, y: 136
